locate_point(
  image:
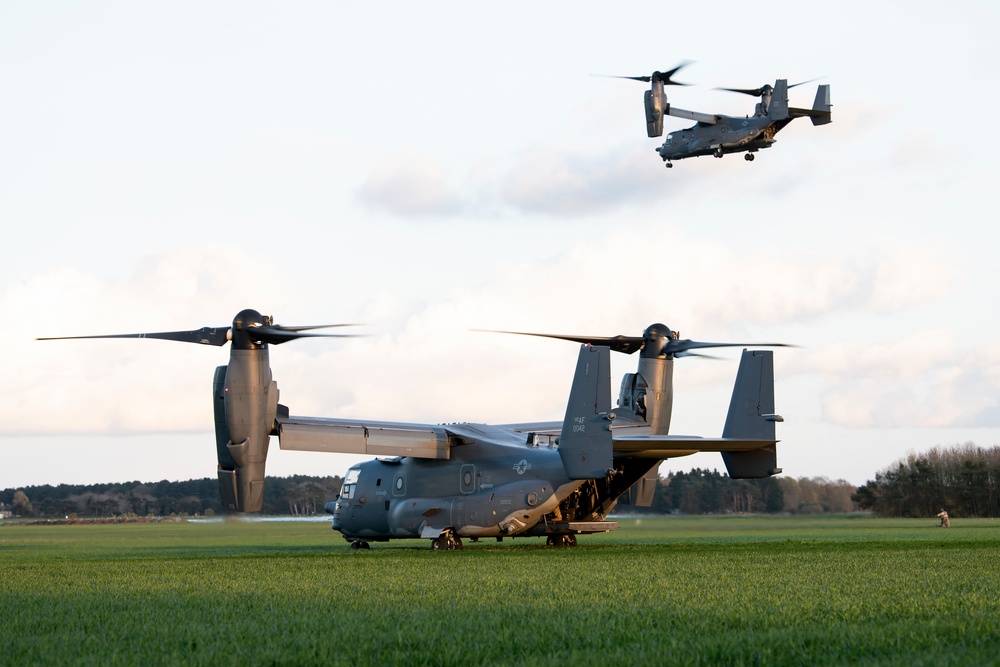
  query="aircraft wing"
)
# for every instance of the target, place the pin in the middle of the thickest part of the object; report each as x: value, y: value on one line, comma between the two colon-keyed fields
x: 372, y: 438
x: 541, y: 428
x: 707, y: 118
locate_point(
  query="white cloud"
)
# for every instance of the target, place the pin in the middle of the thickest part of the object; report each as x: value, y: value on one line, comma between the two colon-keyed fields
x: 411, y: 183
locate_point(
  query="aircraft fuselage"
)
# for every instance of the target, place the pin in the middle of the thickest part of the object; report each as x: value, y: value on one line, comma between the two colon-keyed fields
x: 504, y: 485
x: 730, y: 134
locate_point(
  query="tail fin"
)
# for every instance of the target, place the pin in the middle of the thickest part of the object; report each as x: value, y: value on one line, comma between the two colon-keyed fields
x: 822, y: 105
x: 585, y: 444
x: 777, y: 107
x: 751, y: 416
x: 820, y: 113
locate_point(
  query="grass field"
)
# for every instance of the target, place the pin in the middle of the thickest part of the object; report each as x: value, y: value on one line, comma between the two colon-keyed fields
x: 677, y: 590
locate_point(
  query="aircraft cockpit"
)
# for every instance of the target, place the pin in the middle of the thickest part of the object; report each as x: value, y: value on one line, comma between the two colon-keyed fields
x: 350, y: 483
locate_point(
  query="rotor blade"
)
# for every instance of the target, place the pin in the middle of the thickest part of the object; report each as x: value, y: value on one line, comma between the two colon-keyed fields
x: 666, y: 78
x: 314, y: 326
x: 619, y: 76
x: 802, y: 83
x: 696, y: 354
x: 680, y: 347
x: 625, y: 344
x: 205, y: 336
x: 278, y: 335
x: 755, y: 92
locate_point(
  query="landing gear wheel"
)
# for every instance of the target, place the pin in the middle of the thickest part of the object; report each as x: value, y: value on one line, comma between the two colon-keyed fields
x: 718, y: 152
x: 446, y: 541
x: 749, y: 157
x: 561, y: 541
x: 571, y: 540
x: 360, y: 545
x: 670, y: 165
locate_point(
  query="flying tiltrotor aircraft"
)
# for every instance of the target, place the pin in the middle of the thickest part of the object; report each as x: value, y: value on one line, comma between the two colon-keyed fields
x: 717, y: 134
x: 445, y: 482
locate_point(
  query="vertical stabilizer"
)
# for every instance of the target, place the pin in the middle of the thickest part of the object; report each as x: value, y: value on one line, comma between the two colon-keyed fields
x: 777, y: 108
x: 585, y: 444
x: 751, y: 416
x: 822, y: 105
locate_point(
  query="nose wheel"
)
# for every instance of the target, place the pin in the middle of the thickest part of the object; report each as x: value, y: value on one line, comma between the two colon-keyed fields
x: 749, y: 157
x: 670, y: 165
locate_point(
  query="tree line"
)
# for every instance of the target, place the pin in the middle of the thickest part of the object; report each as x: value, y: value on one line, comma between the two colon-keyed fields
x: 964, y: 480
x: 695, y: 492
x: 296, y: 495
x: 711, y: 492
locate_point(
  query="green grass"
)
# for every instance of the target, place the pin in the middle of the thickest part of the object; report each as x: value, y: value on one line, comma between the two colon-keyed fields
x: 679, y: 590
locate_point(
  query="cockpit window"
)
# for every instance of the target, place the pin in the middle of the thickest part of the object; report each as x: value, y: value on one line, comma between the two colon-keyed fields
x: 350, y: 482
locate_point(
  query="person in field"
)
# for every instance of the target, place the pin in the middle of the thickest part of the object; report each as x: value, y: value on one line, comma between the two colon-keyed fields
x: 945, y: 521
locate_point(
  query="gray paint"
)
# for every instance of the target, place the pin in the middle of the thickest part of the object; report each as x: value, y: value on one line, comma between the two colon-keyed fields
x: 718, y: 134
x: 449, y: 481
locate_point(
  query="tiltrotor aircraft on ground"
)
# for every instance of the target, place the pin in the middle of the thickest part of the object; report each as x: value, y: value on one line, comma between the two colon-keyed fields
x: 717, y: 134
x: 446, y: 482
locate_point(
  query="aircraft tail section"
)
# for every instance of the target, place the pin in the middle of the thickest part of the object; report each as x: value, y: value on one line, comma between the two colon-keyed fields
x: 777, y: 107
x: 821, y: 113
x: 822, y: 106
x: 751, y: 416
x: 585, y: 443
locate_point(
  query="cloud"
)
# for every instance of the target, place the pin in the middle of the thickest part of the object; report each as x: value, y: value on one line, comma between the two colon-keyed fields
x: 422, y: 363
x: 411, y: 183
x: 120, y: 386
x: 922, y: 380
x: 562, y: 182
x: 548, y: 180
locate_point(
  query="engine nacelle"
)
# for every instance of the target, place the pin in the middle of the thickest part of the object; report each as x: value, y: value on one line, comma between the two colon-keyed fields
x: 654, y: 105
x: 246, y: 403
x: 648, y: 394
x: 630, y: 398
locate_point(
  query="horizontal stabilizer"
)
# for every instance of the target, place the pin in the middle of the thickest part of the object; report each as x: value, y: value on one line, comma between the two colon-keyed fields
x: 672, y: 446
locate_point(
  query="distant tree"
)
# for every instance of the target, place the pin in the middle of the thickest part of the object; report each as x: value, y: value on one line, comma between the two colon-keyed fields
x: 21, y: 505
x: 164, y: 497
x: 710, y: 492
x: 964, y: 479
x: 816, y: 495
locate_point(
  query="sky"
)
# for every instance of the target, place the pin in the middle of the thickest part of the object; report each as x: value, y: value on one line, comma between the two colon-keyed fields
x: 430, y: 169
